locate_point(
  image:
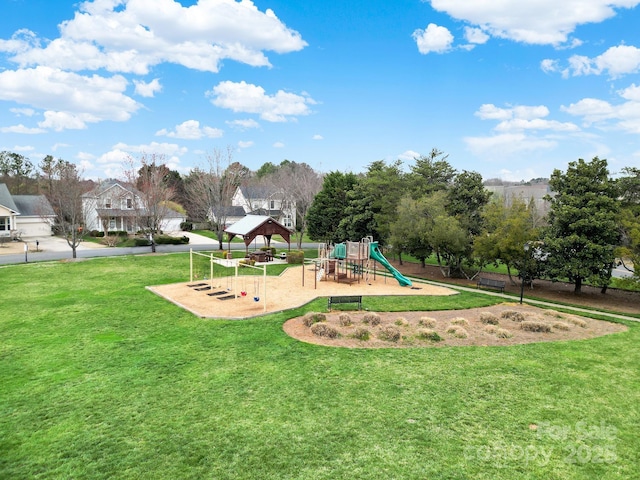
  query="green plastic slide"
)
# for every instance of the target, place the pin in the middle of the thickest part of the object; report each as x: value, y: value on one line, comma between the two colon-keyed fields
x: 376, y: 254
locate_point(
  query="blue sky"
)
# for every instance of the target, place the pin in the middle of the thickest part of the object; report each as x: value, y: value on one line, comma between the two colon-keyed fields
x: 508, y: 88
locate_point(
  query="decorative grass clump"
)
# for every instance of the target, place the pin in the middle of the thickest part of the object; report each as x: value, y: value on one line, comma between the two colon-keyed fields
x: 389, y: 333
x: 535, y: 326
x: 428, y: 334
x: 460, y: 321
x: 361, y: 333
x: 344, y: 319
x: 578, y: 322
x: 503, y: 333
x: 322, y: 329
x: 313, y: 317
x: 561, y: 326
x: 553, y: 313
x: 489, y: 318
x: 457, y: 331
x: 513, y: 315
x: 491, y: 329
x: 401, y: 322
x: 371, y: 318
x: 428, y: 322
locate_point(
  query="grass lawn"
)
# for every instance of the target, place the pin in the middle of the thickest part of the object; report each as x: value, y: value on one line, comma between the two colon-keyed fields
x: 103, y: 379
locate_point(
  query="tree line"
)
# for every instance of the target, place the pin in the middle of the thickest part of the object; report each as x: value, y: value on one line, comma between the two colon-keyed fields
x: 431, y: 209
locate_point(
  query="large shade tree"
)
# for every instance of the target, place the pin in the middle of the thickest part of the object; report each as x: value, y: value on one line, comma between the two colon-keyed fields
x: 582, y: 232
x: 328, y: 206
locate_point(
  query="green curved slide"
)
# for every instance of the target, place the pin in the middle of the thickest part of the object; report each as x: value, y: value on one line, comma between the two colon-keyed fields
x: 376, y: 254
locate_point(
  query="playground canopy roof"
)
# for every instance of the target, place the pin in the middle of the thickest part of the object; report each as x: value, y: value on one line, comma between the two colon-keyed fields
x: 251, y: 226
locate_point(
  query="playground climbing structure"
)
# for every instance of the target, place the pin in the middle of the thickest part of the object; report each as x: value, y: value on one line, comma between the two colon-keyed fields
x: 351, y: 262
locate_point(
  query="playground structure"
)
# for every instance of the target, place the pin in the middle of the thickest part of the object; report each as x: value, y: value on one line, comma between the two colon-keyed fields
x: 235, y: 286
x: 350, y: 262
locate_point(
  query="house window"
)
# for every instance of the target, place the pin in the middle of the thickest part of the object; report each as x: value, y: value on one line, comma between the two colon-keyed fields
x: 112, y: 224
x: 273, y: 204
x: 129, y: 203
x: 5, y: 224
x: 107, y: 203
x: 287, y: 221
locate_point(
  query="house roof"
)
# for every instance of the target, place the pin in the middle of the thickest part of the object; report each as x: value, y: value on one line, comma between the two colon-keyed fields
x: 257, y: 192
x: 33, y: 205
x: 251, y: 226
x: 265, y: 212
x: 6, y: 200
x: 108, y: 184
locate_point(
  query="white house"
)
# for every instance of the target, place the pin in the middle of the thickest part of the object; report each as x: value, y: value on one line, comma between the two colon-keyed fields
x: 24, y: 215
x: 269, y: 201
x: 115, y: 206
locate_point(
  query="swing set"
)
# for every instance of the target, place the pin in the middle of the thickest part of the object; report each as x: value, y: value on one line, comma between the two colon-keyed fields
x: 197, y: 267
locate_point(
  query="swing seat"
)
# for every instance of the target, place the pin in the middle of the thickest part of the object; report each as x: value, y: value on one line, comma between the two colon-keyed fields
x: 256, y: 299
x: 244, y: 294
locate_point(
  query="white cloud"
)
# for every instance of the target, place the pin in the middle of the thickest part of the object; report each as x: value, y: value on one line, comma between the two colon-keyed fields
x: 507, y: 144
x: 243, y: 124
x: 70, y: 100
x: 56, y: 146
x: 549, y: 66
x: 23, y: 112
x: 191, y: 130
x: 246, y: 144
x: 317, y: 137
x: 475, y: 35
x: 22, y: 129
x: 543, y: 22
x: 247, y: 98
x: 161, y: 149
x: 409, y: 155
x: 149, y: 89
x: 133, y: 36
x: 616, y: 61
x: 624, y: 116
x: 278, y: 145
x: 433, y: 39
x: 23, y: 148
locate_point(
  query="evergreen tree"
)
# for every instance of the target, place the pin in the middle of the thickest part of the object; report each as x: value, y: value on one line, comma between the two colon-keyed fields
x: 582, y: 231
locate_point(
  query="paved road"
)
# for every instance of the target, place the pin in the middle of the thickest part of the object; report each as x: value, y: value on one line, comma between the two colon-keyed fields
x: 53, y: 248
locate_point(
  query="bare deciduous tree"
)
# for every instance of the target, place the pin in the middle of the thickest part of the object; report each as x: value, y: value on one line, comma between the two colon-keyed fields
x: 210, y: 190
x: 65, y: 189
x: 299, y: 184
x: 153, y: 194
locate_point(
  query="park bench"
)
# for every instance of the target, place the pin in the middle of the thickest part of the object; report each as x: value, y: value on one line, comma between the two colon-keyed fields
x: 490, y: 283
x: 346, y: 299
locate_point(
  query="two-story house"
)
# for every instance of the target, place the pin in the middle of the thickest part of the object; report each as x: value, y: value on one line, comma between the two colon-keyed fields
x: 116, y: 206
x: 268, y: 201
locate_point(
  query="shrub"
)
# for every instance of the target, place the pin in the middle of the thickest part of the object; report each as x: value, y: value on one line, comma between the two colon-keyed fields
x: 577, y: 322
x: 535, y: 326
x: 457, y: 331
x: 313, y: 317
x: 269, y: 249
x: 503, y: 333
x: 428, y: 322
x: 389, y: 333
x: 167, y: 240
x: 513, y: 315
x: 491, y: 329
x: 371, y: 318
x: 401, y: 322
x: 322, y: 329
x: 428, y: 334
x: 344, y: 319
x: 295, y: 257
x: 361, y: 333
x: 489, y: 318
x: 553, y: 313
x: 561, y: 326
x: 142, y: 242
x: 246, y: 261
x: 186, y: 226
x: 459, y: 321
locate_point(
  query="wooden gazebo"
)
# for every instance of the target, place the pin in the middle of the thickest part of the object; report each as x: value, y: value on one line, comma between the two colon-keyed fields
x: 251, y: 226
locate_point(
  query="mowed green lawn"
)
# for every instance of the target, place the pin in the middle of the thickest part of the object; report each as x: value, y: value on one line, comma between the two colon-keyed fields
x: 100, y: 378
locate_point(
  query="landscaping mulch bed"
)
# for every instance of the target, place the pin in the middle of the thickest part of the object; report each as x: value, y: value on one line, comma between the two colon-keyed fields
x: 450, y: 326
